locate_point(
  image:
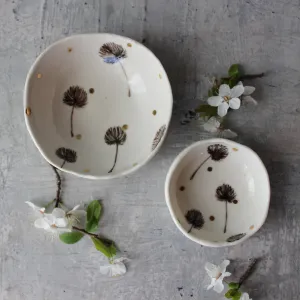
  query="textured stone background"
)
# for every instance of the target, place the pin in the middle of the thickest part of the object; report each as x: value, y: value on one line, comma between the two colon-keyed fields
x: 194, y: 40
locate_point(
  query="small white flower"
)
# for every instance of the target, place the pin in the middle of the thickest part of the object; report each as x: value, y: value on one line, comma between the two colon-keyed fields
x: 38, y: 209
x: 246, y: 98
x: 245, y: 296
x: 227, y: 98
x: 115, y: 268
x: 217, y: 274
x: 213, y: 125
x: 75, y: 215
x: 55, y: 222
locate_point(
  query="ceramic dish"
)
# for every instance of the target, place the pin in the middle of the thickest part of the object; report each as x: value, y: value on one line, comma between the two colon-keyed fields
x: 218, y: 192
x: 97, y: 105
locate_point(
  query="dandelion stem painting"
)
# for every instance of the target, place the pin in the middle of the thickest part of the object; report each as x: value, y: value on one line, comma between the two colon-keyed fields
x: 76, y: 97
x: 225, y: 193
x: 113, y: 53
x: 115, y: 136
x: 67, y: 155
x: 216, y: 152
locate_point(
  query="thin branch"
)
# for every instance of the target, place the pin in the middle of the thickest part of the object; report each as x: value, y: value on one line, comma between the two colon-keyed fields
x: 85, y: 232
x: 58, y: 183
x: 249, y: 271
x: 252, y: 76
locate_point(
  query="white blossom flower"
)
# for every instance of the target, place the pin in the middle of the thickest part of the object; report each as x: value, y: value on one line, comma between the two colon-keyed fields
x: 217, y: 274
x: 75, y: 215
x: 115, y: 268
x: 213, y: 125
x: 246, y: 98
x: 55, y: 222
x: 38, y: 209
x: 245, y: 296
x: 227, y: 98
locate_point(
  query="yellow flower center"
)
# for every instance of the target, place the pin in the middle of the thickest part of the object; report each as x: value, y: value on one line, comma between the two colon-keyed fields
x: 218, y: 276
x: 53, y: 226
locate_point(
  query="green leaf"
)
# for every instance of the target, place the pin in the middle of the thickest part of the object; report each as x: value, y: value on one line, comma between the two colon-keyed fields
x: 108, y: 250
x: 233, y: 285
x: 225, y: 80
x: 207, y: 110
x: 233, y: 294
x: 93, y: 216
x: 234, y: 71
x: 71, y: 237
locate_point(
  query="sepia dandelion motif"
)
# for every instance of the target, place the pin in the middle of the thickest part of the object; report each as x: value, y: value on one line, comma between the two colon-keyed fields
x: 216, y: 152
x: 115, y: 136
x: 76, y: 97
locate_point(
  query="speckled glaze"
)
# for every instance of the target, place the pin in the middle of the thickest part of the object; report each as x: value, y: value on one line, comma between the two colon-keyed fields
x: 218, y: 192
x: 104, y: 98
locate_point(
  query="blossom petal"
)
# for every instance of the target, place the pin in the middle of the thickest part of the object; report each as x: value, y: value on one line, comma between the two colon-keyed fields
x: 58, y: 213
x: 36, y: 208
x: 245, y: 296
x: 227, y: 134
x: 235, y: 103
x: 212, y: 284
x: 118, y: 269
x: 41, y: 223
x: 248, y: 100
x: 222, y: 109
x: 248, y: 90
x: 212, y: 125
x: 120, y: 259
x: 106, y: 270
x: 211, y: 269
x: 237, y: 91
x: 78, y: 213
x: 75, y: 208
x: 214, y: 101
x: 224, y: 265
x: 49, y: 218
x: 219, y: 287
x: 226, y: 274
x: 224, y: 90
x: 61, y: 222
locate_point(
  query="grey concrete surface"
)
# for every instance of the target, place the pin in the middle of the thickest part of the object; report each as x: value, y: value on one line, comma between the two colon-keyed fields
x: 194, y: 39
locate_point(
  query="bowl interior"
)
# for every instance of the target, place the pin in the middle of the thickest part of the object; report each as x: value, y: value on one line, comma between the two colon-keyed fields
x: 225, y: 200
x: 98, y: 105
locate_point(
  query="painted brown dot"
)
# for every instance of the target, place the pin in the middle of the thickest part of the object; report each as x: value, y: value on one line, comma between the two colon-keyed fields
x: 28, y: 111
x: 235, y: 201
x: 154, y: 112
x: 209, y: 169
x: 92, y: 91
x: 251, y: 227
x: 70, y: 49
x: 212, y: 218
x: 125, y: 127
x: 39, y: 75
x: 182, y: 188
x: 129, y: 45
x: 78, y: 136
x: 235, y: 149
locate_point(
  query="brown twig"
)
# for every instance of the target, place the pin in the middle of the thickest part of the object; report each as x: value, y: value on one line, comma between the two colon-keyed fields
x: 252, y: 76
x: 85, y: 232
x: 58, y: 183
x: 249, y: 271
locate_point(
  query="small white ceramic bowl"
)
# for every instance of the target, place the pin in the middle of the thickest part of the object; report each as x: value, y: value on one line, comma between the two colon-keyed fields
x: 218, y: 192
x: 97, y: 105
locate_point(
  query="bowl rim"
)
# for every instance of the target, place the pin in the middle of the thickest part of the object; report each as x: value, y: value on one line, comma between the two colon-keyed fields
x: 174, y: 166
x: 40, y: 147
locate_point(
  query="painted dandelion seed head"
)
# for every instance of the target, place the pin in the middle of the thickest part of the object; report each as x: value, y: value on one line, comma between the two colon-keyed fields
x: 112, y: 52
x: 225, y: 193
x: 217, y: 152
x: 75, y: 96
x: 115, y: 136
x: 66, y: 154
x: 194, y: 217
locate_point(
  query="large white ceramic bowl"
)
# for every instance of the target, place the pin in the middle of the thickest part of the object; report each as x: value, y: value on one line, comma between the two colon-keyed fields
x: 218, y: 192
x: 97, y: 105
